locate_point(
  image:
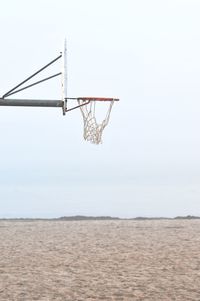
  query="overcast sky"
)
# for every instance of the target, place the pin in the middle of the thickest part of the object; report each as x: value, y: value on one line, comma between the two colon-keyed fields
x: 147, y: 53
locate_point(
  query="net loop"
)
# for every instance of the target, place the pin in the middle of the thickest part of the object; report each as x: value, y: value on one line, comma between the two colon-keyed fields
x: 92, y: 129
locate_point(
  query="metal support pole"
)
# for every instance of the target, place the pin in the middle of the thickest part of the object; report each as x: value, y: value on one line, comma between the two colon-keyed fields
x: 31, y: 103
x: 39, y: 103
x: 53, y: 61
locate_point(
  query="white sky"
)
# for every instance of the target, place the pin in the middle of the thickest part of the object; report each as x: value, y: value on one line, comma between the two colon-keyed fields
x: 147, y: 53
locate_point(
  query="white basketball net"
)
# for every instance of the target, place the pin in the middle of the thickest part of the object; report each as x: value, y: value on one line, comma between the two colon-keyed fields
x: 93, y: 130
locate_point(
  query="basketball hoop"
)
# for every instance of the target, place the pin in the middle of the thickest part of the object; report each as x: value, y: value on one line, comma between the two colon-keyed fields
x: 92, y: 129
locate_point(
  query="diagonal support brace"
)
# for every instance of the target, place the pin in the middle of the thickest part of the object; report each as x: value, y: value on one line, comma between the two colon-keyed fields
x: 28, y: 78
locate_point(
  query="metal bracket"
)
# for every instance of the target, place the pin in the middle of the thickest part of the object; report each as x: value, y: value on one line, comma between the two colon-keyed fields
x: 76, y: 107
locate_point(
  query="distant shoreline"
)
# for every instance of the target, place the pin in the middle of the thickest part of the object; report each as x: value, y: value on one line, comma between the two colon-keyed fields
x: 98, y: 218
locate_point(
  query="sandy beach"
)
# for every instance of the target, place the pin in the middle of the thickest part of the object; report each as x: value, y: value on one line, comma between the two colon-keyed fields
x: 100, y: 260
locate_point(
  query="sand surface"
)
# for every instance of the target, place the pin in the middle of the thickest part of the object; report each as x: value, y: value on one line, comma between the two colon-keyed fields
x: 100, y: 260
